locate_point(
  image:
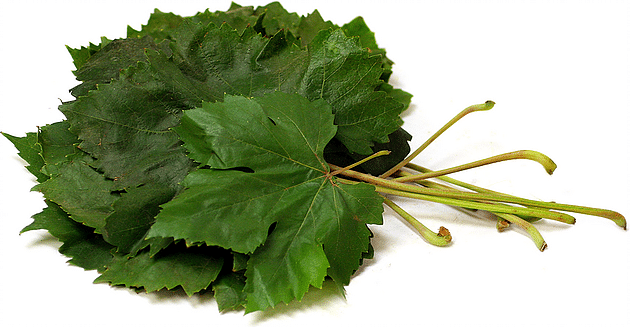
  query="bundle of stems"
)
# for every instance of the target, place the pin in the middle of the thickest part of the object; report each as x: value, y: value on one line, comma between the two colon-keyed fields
x: 410, y: 180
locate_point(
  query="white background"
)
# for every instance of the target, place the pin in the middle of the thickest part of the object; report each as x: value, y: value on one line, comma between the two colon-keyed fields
x: 559, y: 72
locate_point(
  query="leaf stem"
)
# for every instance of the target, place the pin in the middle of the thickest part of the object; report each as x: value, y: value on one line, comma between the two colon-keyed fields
x: 545, y: 161
x: 377, y: 154
x: 528, y: 227
x: 460, y: 198
x: 451, y: 180
x: 442, y: 238
x: 491, y: 207
x: 478, y: 107
x: 616, y: 217
x: 503, y: 219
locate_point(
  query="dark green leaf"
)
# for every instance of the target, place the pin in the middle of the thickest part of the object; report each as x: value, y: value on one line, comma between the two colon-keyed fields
x: 277, y: 18
x: 57, y: 145
x: 85, y: 248
x: 239, y: 261
x: 357, y: 27
x: 126, y: 127
x: 58, y: 224
x: 82, y: 55
x: 335, y: 68
x: 29, y: 150
x: 158, y: 26
x: 310, y: 26
x: 133, y: 213
x: 346, y: 76
x: 88, y: 253
x: 228, y: 291
x: 398, y: 94
x: 110, y: 60
x: 81, y: 191
x: 191, y: 268
x: 57, y: 142
x: 336, y: 153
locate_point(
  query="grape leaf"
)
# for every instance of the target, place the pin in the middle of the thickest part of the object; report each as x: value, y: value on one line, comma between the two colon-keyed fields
x: 81, y: 191
x: 81, y: 55
x: 161, y: 24
x: 29, y: 149
x: 85, y: 248
x: 318, y: 225
x: 358, y: 27
x: 113, y: 56
x: 310, y: 25
x: 57, y: 143
x: 106, y: 171
x: 125, y: 126
x: 334, y: 67
x: 191, y: 268
x: 122, y: 225
x: 228, y: 291
x: 242, y: 62
x: 133, y: 214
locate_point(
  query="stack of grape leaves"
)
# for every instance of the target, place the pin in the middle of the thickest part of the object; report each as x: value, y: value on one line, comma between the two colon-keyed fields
x: 204, y: 152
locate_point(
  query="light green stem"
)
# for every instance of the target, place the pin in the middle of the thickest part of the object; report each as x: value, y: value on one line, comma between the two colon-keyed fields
x: 451, y: 180
x: 616, y: 217
x: 503, y: 220
x: 494, y: 208
x: 454, y: 197
x: 478, y: 107
x: 529, y: 228
x: 375, y: 155
x: 442, y: 238
x: 545, y: 161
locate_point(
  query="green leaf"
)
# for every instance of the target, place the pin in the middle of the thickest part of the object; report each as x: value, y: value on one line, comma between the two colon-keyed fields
x: 85, y: 248
x: 239, y: 261
x: 228, y: 291
x: 57, y: 223
x: 126, y: 124
x: 334, y: 68
x: 182, y: 219
x: 310, y: 25
x: 89, y: 253
x: 318, y: 225
x: 57, y: 145
x: 82, y: 55
x: 191, y: 268
x: 126, y: 127
x: 346, y: 76
x: 276, y: 18
x: 158, y: 26
x: 358, y: 27
x: 161, y: 25
x: 29, y: 150
x: 106, y: 64
x: 398, y: 94
x: 81, y: 191
x: 133, y: 214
